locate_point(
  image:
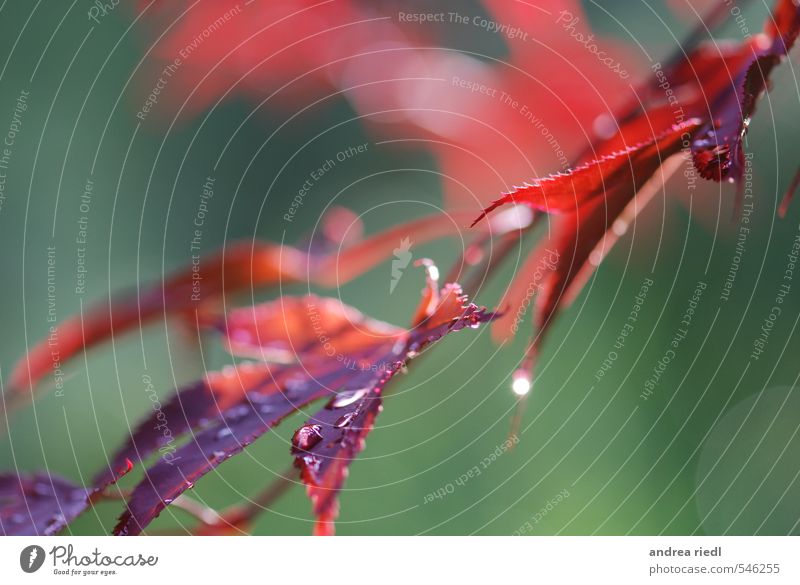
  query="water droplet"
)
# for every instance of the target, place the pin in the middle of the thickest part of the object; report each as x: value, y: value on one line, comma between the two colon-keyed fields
x: 237, y: 413
x: 222, y: 433
x: 217, y: 455
x: 604, y: 126
x: 521, y: 382
x: 263, y: 402
x: 306, y: 437
x: 167, y: 501
x: 619, y: 227
x: 344, y: 420
x: 346, y: 398
x: 293, y: 385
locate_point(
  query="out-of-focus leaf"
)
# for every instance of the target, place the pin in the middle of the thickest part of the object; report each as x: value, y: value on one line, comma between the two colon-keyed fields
x: 42, y: 504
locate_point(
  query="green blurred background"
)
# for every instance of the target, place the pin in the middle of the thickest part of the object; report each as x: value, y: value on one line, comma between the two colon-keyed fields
x: 714, y: 450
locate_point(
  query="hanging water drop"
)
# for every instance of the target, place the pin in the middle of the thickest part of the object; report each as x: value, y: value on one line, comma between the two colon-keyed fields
x: 521, y: 382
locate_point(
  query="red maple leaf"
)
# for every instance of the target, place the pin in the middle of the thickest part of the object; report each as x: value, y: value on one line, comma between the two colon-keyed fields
x: 612, y: 188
